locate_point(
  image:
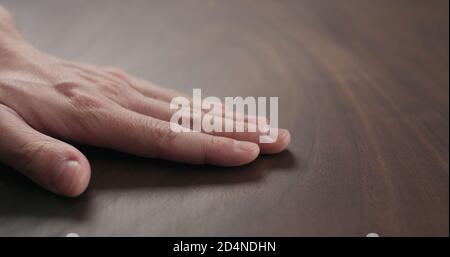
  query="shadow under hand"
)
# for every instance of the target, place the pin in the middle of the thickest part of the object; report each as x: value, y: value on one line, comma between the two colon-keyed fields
x: 114, y: 170
x: 117, y: 171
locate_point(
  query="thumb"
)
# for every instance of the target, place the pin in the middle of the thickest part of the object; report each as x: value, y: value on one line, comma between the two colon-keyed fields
x: 53, y: 164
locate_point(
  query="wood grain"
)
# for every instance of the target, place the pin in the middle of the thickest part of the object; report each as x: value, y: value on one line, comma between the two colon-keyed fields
x: 363, y: 87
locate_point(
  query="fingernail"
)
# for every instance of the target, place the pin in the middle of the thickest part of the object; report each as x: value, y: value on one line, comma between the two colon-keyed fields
x: 271, y: 137
x: 245, y: 146
x: 63, y: 178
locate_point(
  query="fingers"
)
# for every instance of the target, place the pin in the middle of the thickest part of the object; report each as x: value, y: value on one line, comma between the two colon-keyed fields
x: 151, y: 91
x: 161, y: 110
x: 280, y: 142
x: 165, y: 95
x: 148, y: 137
x: 154, y: 101
x: 53, y: 164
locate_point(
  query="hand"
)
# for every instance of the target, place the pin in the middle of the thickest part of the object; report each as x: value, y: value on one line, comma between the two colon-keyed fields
x: 46, y: 102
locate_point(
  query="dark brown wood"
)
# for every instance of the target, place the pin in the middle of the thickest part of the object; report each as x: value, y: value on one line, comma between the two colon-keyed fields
x: 363, y: 87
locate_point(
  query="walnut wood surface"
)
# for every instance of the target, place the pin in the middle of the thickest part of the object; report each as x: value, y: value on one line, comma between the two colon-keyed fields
x: 363, y: 87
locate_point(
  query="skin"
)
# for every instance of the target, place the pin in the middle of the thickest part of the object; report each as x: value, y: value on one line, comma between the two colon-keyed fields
x: 46, y: 103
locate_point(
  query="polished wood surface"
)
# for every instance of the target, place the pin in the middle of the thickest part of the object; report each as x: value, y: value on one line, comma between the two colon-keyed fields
x: 363, y: 86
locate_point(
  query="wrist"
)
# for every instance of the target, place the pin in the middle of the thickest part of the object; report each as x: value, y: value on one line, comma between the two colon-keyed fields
x: 10, y: 39
x: 7, y: 25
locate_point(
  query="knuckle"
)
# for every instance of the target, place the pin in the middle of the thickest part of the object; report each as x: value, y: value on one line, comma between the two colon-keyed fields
x: 84, y: 101
x: 80, y: 96
x: 75, y: 94
x: 67, y: 88
x: 216, y: 142
x: 112, y: 89
x: 90, y: 125
x: 121, y: 75
x: 82, y: 115
x: 117, y: 72
x: 164, y: 135
x: 29, y: 152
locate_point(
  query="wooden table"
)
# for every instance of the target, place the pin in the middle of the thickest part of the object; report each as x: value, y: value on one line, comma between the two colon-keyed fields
x: 363, y: 87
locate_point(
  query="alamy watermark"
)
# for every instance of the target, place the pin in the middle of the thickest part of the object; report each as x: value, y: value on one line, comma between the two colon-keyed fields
x: 212, y: 115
